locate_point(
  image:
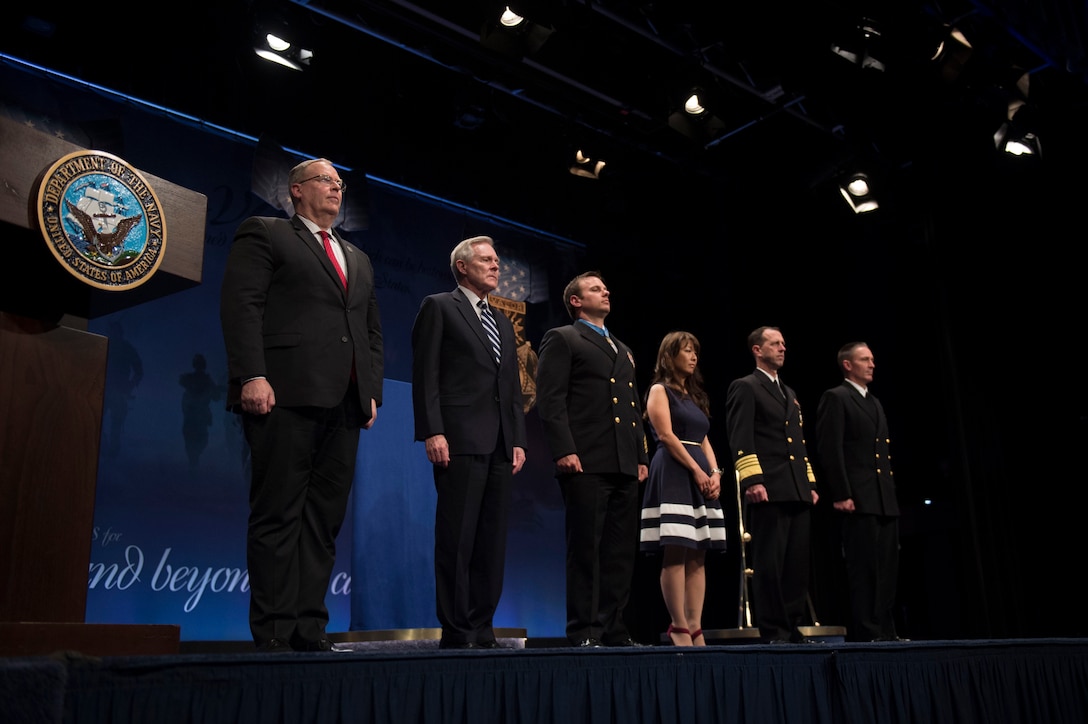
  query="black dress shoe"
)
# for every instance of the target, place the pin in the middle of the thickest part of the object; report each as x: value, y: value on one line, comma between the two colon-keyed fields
x: 590, y: 643
x: 274, y: 646
x: 320, y: 645
x: 458, y: 645
x: 629, y: 642
x: 492, y: 644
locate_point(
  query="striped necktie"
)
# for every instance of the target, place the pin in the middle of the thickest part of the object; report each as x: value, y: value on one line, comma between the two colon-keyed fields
x: 491, y: 328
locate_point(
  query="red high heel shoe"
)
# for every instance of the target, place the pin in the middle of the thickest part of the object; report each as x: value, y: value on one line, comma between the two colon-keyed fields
x: 696, y: 634
x: 676, y: 630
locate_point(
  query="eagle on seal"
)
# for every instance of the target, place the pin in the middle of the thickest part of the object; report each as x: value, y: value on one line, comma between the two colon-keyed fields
x: 106, y: 244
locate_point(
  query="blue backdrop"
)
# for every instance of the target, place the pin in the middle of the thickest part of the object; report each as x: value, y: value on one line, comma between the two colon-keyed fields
x: 171, y: 507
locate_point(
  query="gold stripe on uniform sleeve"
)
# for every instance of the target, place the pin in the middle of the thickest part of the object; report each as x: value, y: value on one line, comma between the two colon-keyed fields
x: 747, y: 466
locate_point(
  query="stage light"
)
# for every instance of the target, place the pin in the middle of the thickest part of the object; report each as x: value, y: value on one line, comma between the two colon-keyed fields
x: 858, y: 192
x: 276, y: 48
x: 514, y: 34
x: 1018, y: 134
x: 693, y: 106
x: 695, y: 117
x: 510, y: 19
x: 951, y: 51
x: 586, y: 167
x: 862, y: 45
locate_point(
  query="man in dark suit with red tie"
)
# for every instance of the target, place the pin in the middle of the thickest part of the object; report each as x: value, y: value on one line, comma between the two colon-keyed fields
x: 852, y: 445
x: 466, y: 397
x: 764, y: 426
x: 305, y: 361
x: 592, y: 416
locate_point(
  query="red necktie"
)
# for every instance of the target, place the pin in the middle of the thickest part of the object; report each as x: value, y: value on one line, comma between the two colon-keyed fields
x: 332, y: 257
x: 336, y: 265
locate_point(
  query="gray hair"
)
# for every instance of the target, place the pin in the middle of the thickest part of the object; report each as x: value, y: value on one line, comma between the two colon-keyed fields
x: 465, y: 251
x: 300, y: 170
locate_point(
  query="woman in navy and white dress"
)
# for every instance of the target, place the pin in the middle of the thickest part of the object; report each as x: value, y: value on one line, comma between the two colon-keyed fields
x: 681, y: 511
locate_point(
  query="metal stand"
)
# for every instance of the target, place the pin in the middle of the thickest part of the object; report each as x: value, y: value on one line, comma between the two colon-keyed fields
x: 744, y: 629
x: 744, y: 610
x: 745, y: 632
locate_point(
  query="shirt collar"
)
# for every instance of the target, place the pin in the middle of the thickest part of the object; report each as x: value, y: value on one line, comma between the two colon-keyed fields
x: 470, y: 295
x: 603, y: 331
x: 772, y: 379
x: 863, y: 390
x: 314, y: 228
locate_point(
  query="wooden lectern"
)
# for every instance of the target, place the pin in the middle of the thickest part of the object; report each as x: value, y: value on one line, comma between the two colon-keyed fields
x: 52, y: 386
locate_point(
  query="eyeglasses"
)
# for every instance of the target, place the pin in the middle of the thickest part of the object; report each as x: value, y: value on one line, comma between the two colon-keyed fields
x: 327, y: 180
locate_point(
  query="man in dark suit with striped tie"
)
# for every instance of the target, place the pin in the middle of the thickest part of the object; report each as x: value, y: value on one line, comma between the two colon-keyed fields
x: 466, y: 397
x: 852, y: 443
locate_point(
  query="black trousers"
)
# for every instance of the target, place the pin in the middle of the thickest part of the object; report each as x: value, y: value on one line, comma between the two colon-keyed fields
x: 780, y: 567
x: 470, y: 527
x: 870, y: 545
x: 602, y: 526
x: 303, y: 462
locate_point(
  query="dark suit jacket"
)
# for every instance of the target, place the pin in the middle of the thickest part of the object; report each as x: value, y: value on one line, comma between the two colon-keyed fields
x: 588, y: 401
x: 457, y: 389
x: 852, y: 446
x: 767, y: 439
x: 287, y: 317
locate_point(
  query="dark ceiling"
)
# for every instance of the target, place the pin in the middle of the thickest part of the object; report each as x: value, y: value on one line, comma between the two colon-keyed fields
x: 408, y: 92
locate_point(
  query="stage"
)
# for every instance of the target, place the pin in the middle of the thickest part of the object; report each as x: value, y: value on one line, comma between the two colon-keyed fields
x: 1031, y: 681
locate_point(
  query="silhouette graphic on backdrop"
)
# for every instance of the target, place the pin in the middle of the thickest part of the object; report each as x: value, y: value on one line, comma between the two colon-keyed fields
x: 196, y: 414
x: 124, y: 370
